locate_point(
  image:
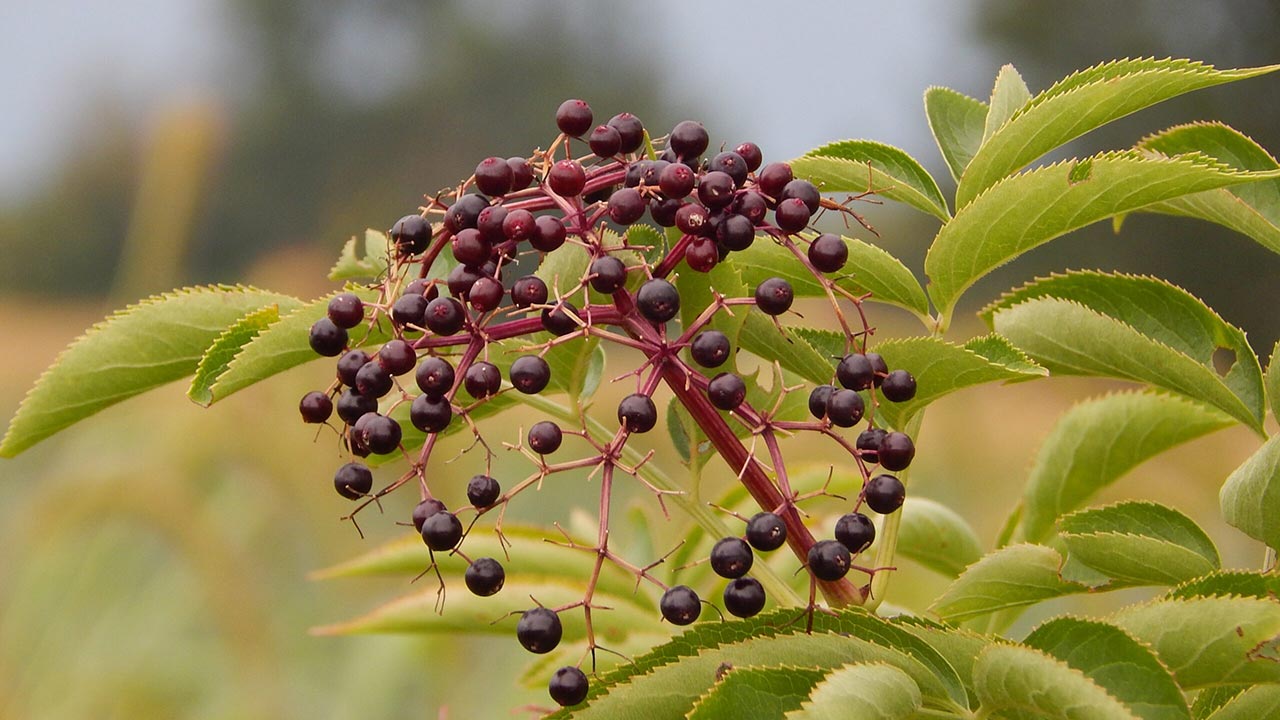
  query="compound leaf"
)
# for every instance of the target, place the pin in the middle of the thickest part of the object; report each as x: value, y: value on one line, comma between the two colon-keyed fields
x: 1258, y: 702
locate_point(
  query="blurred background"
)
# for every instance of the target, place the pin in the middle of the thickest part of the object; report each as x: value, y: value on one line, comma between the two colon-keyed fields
x: 154, y: 560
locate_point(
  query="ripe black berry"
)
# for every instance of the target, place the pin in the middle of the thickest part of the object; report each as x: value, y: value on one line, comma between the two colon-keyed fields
x: 855, y: 371
x: 548, y: 233
x: 409, y: 310
x: 744, y: 597
x: 442, y: 531
x: 567, y: 178
x: 607, y: 274
x: 444, y: 316
x: 528, y: 290
x: 493, y: 176
x: 726, y: 391
x: 346, y: 310
x: 521, y: 173
x: 605, y: 141
x: 896, y: 451
x: 460, y: 280
x: 568, y: 686
x: 483, y: 491
x: 545, y: 437
x: 773, y: 177
x: 315, y: 406
x: 486, y: 294
x: 845, y: 408
x: 884, y: 494
x: 766, y: 531
x: 430, y: 414
x: 676, y: 180
x: 560, y: 320
x: 411, y: 234
x: 829, y: 560
x: 751, y: 155
x: 663, y: 211
x: 680, y: 605
x: 464, y: 212
x: 482, y: 379
x: 736, y: 232
x: 855, y: 531
x: 530, y: 374
x: 818, y: 399
x: 630, y: 131
x: 485, y: 577
x: 751, y: 205
x: 424, y: 510
x: 397, y: 356
x: 879, y: 369
x: 731, y: 557
x: 803, y: 190
x: 626, y: 206
x: 434, y: 376
x: 658, y: 300
x: 774, y: 296
x: 352, y: 405
x: 898, y: 386
x: 635, y: 172
x: 573, y: 117
x: 828, y: 252
x: 381, y: 434
x: 692, y: 219
x: 470, y: 248
x: 637, y: 413
x: 689, y: 139
x: 353, y: 481
x: 489, y: 224
x: 715, y: 190
x: 792, y: 215
x: 710, y: 348
x: 349, y: 364
x: 539, y: 630
x: 373, y: 380
x: 326, y: 338
x: 868, y: 444
x: 356, y: 438
x: 731, y: 164
x: 702, y: 254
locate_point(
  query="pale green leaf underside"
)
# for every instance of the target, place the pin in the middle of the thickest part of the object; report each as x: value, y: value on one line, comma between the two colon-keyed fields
x: 865, y: 691
x: 224, y: 349
x: 1250, y: 498
x: 1116, y: 662
x: 1011, y: 577
x: 1008, y: 95
x: 1011, y: 678
x: 1082, y: 102
x: 1139, y: 542
x: 956, y: 121
x: 858, y: 166
x: 144, y: 346
x: 1272, y: 381
x: 1096, y: 442
x: 937, y: 537
x: 1260, y: 702
x: 767, y: 693
x: 1024, y: 211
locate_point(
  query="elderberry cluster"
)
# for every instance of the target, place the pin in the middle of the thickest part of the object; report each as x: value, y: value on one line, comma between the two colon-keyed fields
x: 446, y: 327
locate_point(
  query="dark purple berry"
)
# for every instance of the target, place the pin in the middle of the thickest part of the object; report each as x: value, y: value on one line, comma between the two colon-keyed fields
x: 829, y: 560
x: 792, y: 215
x: 692, y: 219
x: 702, y: 255
x: 489, y: 224
x: 802, y: 190
x: 766, y: 531
x: 607, y: 274
x: 605, y: 141
x: 560, y: 320
x: 519, y: 225
x: 828, y: 253
x: 680, y: 605
x: 676, y: 180
x: 731, y: 164
x: 326, y: 338
x: 486, y: 294
x: 744, y: 597
x: 898, y: 386
x: 689, y: 139
x: 548, y: 233
x: 751, y: 155
x: 398, y: 357
x: 818, y: 399
x: 493, y: 176
x: 521, y: 173
x: 715, y: 190
x: 346, y: 310
x: 879, y: 369
x: 567, y: 178
x: 658, y: 300
x: 373, y: 380
x: 482, y: 379
x: 444, y: 316
x: 423, y: 287
x: 315, y: 406
x: 726, y: 391
x: 568, y: 686
x: 868, y: 444
x: 884, y: 494
x: 434, y: 376
x: 896, y: 451
x: 539, y: 630
x: 411, y: 235
x: 731, y: 557
x: 545, y: 437
x: 442, y: 531
x: 409, y: 310
x: 528, y: 290
x: 430, y: 414
x: 710, y: 348
x: 774, y: 296
x: 469, y: 248
x: 636, y: 172
x: 485, y: 577
x: 464, y: 212
x: 630, y: 131
x: 736, y: 232
x: 381, y: 435
x: 356, y: 440
x: 353, y: 481
x: 352, y: 405
x: 773, y: 177
x: 855, y: 372
x: 530, y: 374
x: 626, y: 206
x: 637, y: 413
x: 573, y: 117
x: 483, y: 491
x: 845, y: 408
x: 855, y: 531
x: 424, y: 510
x: 663, y: 211
x: 751, y: 205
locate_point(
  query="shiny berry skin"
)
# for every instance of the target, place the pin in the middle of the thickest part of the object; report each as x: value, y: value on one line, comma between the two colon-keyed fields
x: 482, y: 379
x: 898, y: 386
x: 658, y: 300
x: 774, y: 296
x: 731, y: 557
x: 710, y: 348
x: 635, y: 172
x: 845, y: 408
x: 652, y: 172
x: 327, y: 339
x: 424, y: 510
x: 751, y: 205
x: 626, y: 206
x: 483, y: 491
x: 486, y: 294
x: 829, y: 560
x: 528, y: 290
x: 637, y: 413
x: 489, y: 224
x: 630, y: 131
x: 751, y: 155
x: 828, y: 253
x: 680, y: 605
x: 726, y: 391
x: 460, y: 280
x: 855, y: 531
x: 676, y: 180
x: 409, y: 310
x: 545, y: 437
x: 315, y: 406
x: 356, y: 435
x: 605, y: 141
x: 702, y: 255
x: 818, y: 399
x: 715, y: 190
x: 731, y: 164
x: 573, y: 117
x: 560, y: 320
x: 411, y: 235
x: 688, y: 139
x: 464, y: 212
x: 381, y: 435
x: 493, y: 176
x: 485, y: 577
x: 869, y: 444
x: 855, y: 372
x: 896, y: 451
x: 663, y: 211
x: 442, y: 531
x: 803, y: 190
x: 568, y: 686
x: 539, y: 630
x: 884, y: 494
x: 567, y: 178
x: 519, y: 225
x: 430, y: 414
x: 397, y: 356
x: 549, y: 233
x: 773, y: 177
x: 353, y: 481
x: 352, y: 406
x: 422, y: 287
x: 766, y: 531
x: 434, y: 376
x: 521, y: 173
x: 879, y: 369
x: 744, y: 597
x: 346, y: 310
x: 608, y: 274
x: 469, y: 248
x: 792, y: 215
x: 530, y: 374
x: 736, y: 232
x: 692, y: 219
x: 373, y: 380
x: 444, y: 316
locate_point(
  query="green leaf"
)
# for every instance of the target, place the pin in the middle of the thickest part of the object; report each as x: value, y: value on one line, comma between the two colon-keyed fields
x: 1138, y: 542
x: 1011, y: 678
x: 1011, y: 577
x: 1008, y: 96
x: 374, y: 262
x: 1082, y: 102
x: 941, y: 368
x: 1211, y: 699
x: 647, y: 236
x: 1272, y: 381
x: 858, y: 166
x: 1209, y: 641
x: 143, y: 346
x: 956, y: 121
x: 1096, y: 442
x: 867, y: 691
x: 1119, y: 664
x: 960, y: 647
x: 793, y: 350
x: 224, y: 349
x: 696, y: 294
x: 1259, y: 702
x: 562, y: 270
x: 1230, y: 583
x: 937, y: 537
x: 766, y: 693
x: 1250, y: 498
x: 1027, y: 210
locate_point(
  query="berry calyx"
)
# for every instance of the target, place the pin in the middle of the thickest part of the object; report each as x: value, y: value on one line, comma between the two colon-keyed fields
x: 658, y: 300
x: 774, y: 296
x: 676, y: 180
x: 568, y: 686
x: 896, y: 451
x: 680, y: 605
x: 855, y: 531
x: 829, y: 560
x: 353, y: 481
x: 637, y: 413
x: 884, y: 494
x: 483, y: 491
x: 710, y: 348
x: 485, y: 577
x: 434, y: 376
x: 530, y: 374
x: 898, y: 386
x: 444, y: 316
x: 545, y: 437
x: 442, y: 531
x: 539, y: 630
x: 731, y: 557
x: 766, y: 531
x: 726, y: 391
x: 744, y: 597
x: 315, y: 407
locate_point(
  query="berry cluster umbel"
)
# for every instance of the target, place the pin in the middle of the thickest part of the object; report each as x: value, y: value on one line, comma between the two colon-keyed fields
x: 445, y: 329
